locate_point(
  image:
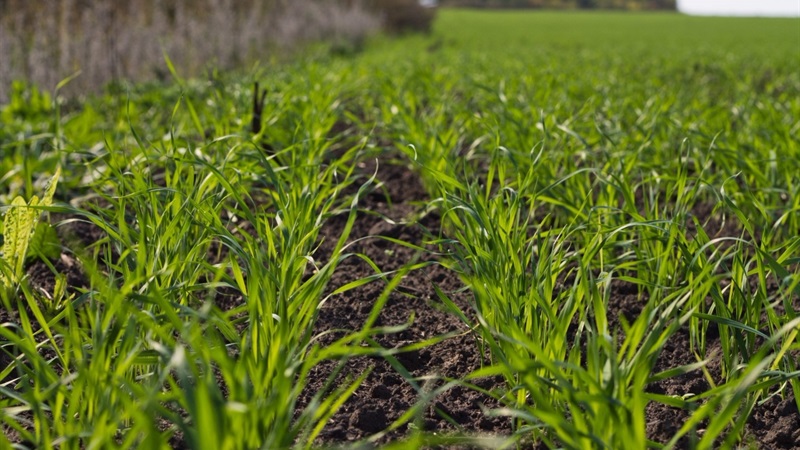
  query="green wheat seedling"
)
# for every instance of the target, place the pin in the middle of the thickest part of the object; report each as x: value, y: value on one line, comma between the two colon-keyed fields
x: 596, y: 215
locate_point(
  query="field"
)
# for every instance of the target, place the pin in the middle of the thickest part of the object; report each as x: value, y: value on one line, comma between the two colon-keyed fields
x: 524, y: 230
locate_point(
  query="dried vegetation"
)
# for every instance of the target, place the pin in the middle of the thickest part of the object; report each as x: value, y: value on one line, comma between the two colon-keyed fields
x: 46, y: 42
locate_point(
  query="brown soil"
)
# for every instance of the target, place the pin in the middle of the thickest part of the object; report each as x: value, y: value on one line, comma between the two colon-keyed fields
x: 386, y: 394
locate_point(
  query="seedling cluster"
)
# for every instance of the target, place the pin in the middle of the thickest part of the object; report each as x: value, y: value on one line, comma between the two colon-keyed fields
x: 606, y: 184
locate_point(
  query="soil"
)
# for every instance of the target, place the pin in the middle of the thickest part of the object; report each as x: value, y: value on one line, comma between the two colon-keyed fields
x: 385, y: 395
x: 399, y: 210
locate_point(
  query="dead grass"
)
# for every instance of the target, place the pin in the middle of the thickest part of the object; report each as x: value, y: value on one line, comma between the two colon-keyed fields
x: 45, y: 42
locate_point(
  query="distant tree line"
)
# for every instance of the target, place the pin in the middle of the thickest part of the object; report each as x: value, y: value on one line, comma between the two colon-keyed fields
x: 564, y: 4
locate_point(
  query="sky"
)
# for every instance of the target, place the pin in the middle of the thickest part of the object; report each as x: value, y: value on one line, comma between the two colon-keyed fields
x: 741, y: 7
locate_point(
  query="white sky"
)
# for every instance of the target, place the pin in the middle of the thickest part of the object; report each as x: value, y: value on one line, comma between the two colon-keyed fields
x: 789, y: 8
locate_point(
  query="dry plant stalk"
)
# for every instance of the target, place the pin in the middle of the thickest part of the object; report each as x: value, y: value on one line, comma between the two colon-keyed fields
x: 46, y: 42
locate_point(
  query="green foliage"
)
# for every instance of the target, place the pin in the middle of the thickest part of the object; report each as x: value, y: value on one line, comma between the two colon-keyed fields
x: 45, y: 242
x: 558, y: 162
x: 655, y: 152
x: 26, y: 103
x: 20, y: 226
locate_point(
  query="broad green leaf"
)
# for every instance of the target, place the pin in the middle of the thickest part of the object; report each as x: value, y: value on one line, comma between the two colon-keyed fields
x: 50, y: 189
x: 45, y: 242
x: 18, y: 227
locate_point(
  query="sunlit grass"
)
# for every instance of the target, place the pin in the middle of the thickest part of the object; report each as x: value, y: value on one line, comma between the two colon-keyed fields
x: 572, y: 155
